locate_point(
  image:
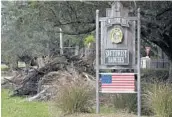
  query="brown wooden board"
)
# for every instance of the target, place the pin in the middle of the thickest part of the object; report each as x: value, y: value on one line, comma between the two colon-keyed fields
x: 115, y: 25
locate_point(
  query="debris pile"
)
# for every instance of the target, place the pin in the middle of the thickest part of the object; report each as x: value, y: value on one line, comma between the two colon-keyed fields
x: 42, y: 83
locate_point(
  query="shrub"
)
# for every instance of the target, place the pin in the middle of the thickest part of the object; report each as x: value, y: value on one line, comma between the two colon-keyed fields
x: 158, y: 98
x: 74, y: 97
x: 127, y: 102
x: 89, y: 39
x: 152, y: 75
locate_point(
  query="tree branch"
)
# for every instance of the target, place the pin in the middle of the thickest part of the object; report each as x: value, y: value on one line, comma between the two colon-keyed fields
x: 75, y: 22
x: 78, y: 33
x: 164, y: 11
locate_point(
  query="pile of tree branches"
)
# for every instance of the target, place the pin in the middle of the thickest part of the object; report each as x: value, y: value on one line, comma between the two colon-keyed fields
x: 36, y: 81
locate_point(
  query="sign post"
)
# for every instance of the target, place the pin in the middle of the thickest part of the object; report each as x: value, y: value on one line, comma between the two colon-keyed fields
x: 116, y: 50
x: 97, y: 62
x: 138, y: 65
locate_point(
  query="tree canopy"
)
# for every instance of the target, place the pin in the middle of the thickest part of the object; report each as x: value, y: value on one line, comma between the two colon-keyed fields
x: 27, y: 26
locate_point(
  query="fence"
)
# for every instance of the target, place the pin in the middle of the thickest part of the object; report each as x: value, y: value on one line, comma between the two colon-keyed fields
x: 149, y: 63
x: 68, y: 50
x: 76, y: 51
x: 159, y: 64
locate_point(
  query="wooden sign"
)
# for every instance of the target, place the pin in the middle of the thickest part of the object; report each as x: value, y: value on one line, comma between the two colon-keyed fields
x: 117, y: 36
x: 116, y: 57
x: 116, y: 49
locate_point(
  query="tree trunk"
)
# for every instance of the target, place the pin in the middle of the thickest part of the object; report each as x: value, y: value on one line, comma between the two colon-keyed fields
x: 170, y: 72
x: 40, y: 62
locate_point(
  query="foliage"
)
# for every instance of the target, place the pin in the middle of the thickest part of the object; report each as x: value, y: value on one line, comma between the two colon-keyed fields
x: 156, y: 17
x: 23, y: 33
x: 74, y: 98
x: 158, y: 98
x: 89, y: 39
x: 127, y: 102
x: 28, y: 26
x: 157, y: 24
x: 17, y: 107
x: 154, y: 75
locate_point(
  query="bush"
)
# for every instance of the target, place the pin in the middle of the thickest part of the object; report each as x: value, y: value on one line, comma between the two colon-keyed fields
x: 75, y: 97
x: 89, y: 39
x: 158, y: 98
x: 151, y: 75
x: 127, y: 102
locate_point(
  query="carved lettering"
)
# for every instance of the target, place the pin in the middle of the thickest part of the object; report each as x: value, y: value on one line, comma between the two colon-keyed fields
x: 118, y: 56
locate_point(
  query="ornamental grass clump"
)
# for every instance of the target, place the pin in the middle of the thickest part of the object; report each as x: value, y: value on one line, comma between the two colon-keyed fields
x: 75, y: 97
x: 127, y: 102
x: 158, y: 97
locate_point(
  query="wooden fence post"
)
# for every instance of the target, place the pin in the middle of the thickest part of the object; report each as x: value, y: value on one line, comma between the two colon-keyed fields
x: 76, y: 50
x: 61, y: 42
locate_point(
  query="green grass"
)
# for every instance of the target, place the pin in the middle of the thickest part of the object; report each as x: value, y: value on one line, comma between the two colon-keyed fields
x: 4, y: 67
x: 158, y: 98
x: 18, y: 107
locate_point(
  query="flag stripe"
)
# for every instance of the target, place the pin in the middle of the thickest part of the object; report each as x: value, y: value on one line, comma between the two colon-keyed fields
x: 123, y: 76
x: 129, y: 89
x: 118, y: 87
x: 117, y: 91
x: 118, y: 83
x: 118, y: 74
x: 130, y: 81
x: 123, y: 81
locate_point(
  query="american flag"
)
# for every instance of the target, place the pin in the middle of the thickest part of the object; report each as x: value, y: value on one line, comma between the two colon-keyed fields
x: 117, y: 83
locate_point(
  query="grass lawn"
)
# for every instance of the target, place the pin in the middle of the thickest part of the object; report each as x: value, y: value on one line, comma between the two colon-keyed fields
x: 4, y: 67
x: 17, y: 107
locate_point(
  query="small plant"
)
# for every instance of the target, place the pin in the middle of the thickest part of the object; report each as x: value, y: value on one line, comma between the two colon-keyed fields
x: 158, y: 98
x: 74, y: 97
x: 88, y: 40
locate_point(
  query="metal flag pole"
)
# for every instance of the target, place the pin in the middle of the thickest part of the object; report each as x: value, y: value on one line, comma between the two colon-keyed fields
x: 138, y: 65
x: 97, y: 62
